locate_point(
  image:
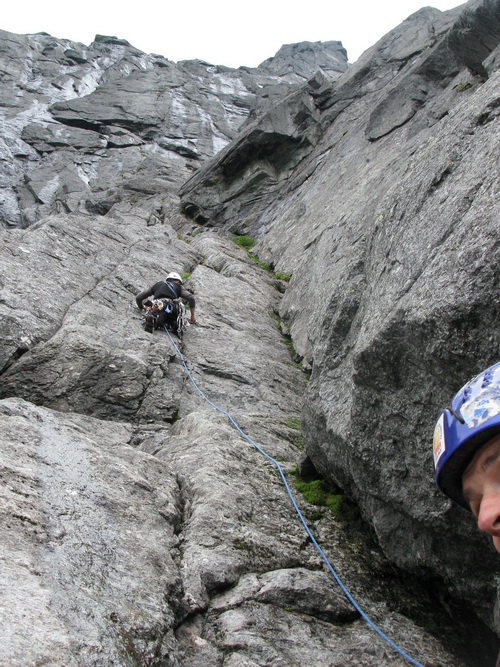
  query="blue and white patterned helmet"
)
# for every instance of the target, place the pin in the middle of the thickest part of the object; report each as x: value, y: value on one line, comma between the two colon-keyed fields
x: 472, y: 420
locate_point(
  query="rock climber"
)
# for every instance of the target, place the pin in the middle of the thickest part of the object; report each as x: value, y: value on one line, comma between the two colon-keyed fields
x: 467, y: 451
x: 170, y: 288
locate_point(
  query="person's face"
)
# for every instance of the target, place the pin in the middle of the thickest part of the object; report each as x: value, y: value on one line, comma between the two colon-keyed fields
x: 481, y: 487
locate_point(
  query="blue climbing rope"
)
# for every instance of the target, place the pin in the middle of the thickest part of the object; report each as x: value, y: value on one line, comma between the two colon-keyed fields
x: 297, y: 510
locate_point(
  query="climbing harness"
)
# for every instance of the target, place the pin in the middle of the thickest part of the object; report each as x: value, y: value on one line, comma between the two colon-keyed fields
x: 297, y: 510
x: 160, y: 310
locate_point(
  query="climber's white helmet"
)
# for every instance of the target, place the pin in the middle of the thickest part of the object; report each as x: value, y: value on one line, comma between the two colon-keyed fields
x: 174, y: 276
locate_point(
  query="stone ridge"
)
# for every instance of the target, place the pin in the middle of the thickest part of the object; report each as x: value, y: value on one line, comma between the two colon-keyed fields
x: 301, y: 59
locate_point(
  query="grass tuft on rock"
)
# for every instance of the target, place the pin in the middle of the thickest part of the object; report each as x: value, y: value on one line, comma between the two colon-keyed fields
x: 245, y: 241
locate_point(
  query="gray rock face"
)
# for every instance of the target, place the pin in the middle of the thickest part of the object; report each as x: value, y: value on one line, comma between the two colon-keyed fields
x: 87, y: 127
x: 299, y: 60
x: 388, y: 224
x: 139, y: 526
x: 394, y: 78
x: 140, y: 523
x: 258, y: 161
x: 87, y: 537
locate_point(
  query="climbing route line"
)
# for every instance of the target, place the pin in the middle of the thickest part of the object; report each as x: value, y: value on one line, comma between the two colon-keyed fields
x: 296, y: 507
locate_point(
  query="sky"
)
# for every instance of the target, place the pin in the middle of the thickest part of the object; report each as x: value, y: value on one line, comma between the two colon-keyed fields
x: 221, y: 32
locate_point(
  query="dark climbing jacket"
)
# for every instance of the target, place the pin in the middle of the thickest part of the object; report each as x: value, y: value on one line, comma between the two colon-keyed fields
x: 166, y: 290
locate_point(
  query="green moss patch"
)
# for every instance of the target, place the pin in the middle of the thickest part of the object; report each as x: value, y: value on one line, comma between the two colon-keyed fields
x: 319, y: 492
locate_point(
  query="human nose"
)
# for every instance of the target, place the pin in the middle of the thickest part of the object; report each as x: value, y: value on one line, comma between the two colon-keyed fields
x: 488, y: 519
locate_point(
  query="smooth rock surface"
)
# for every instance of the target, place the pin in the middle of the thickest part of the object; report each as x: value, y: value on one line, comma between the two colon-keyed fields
x: 88, y: 542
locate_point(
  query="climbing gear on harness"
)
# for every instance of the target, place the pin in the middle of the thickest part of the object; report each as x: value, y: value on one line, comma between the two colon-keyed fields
x: 174, y: 276
x: 472, y: 419
x: 165, y: 312
x: 297, y: 510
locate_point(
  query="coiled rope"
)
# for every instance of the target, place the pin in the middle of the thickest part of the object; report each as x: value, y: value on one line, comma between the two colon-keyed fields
x: 297, y: 510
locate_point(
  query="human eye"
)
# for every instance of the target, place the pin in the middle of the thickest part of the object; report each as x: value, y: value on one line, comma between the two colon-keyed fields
x: 475, y: 507
x: 474, y: 501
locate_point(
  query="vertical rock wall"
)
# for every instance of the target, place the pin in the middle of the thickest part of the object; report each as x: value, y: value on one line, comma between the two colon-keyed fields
x: 388, y: 225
